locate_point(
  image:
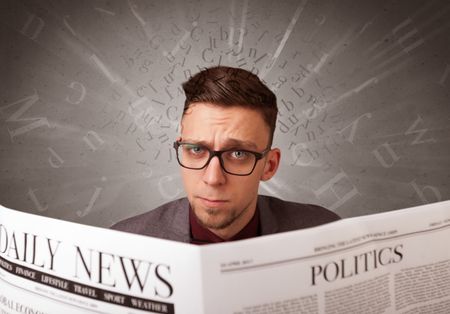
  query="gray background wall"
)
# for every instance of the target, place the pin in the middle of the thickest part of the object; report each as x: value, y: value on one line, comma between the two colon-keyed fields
x: 90, y: 100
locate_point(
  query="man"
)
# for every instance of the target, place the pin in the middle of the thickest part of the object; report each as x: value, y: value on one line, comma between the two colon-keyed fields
x: 225, y: 150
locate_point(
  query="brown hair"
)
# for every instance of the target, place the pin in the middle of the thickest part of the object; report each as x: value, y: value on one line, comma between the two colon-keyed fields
x: 227, y: 86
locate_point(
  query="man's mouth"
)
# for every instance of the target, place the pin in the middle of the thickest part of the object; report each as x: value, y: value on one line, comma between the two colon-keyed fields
x: 212, y: 201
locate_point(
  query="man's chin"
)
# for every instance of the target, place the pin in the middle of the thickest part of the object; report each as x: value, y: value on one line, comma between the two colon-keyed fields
x: 212, y: 218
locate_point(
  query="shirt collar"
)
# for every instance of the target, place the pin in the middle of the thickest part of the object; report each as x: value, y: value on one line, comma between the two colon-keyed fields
x: 201, y: 235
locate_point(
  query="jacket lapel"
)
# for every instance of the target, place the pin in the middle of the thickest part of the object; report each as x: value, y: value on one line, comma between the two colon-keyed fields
x: 269, y: 223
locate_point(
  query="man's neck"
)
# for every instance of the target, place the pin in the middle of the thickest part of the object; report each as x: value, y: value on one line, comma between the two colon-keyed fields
x: 201, y: 235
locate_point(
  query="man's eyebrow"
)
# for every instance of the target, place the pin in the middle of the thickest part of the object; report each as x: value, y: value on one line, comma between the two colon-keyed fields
x: 229, y: 143
x: 240, y: 143
x: 194, y: 141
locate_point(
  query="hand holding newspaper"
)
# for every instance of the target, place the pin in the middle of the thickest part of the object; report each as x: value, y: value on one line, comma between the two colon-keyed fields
x: 394, y: 262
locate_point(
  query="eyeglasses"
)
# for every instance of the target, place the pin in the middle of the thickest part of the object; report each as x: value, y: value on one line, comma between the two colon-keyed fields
x: 237, y: 162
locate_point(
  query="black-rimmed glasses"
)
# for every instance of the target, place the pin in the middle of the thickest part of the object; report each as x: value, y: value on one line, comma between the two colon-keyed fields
x: 237, y: 162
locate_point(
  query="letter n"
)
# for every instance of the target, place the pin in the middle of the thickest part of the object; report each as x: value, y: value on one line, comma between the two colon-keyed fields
x: 96, y: 136
x: 25, y: 104
x: 385, y: 163
x: 87, y: 268
x: 27, y: 28
x: 420, y: 133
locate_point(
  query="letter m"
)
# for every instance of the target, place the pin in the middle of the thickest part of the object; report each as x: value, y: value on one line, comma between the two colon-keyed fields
x: 23, y: 105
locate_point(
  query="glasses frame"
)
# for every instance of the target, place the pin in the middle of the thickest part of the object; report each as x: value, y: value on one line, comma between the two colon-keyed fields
x: 218, y: 153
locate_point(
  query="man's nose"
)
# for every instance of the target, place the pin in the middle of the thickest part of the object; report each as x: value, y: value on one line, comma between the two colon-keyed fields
x: 214, y: 174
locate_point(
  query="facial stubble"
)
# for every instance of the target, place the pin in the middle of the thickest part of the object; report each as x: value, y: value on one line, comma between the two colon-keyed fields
x: 223, y: 224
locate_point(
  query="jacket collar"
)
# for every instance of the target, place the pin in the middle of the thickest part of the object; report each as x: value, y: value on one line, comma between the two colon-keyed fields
x: 180, y: 222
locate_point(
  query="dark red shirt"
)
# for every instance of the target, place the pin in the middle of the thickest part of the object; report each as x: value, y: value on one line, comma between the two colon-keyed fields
x: 201, y: 235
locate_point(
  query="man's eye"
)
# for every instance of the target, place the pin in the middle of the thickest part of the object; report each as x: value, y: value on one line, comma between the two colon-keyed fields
x: 238, y: 154
x: 195, y: 149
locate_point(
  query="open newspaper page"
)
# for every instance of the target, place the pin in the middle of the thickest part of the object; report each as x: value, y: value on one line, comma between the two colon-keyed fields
x: 395, y: 262
x: 52, y: 266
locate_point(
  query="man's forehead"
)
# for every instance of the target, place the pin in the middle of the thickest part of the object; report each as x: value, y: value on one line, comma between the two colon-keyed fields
x: 223, y: 127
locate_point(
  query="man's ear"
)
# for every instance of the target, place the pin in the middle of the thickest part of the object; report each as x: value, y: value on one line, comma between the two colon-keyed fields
x: 272, y: 162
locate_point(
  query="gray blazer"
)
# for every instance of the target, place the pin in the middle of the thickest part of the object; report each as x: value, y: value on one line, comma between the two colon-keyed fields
x: 171, y: 221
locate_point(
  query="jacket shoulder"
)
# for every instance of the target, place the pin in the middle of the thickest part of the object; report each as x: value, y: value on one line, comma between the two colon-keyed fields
x: 287, y: 216
x: 166, y: 221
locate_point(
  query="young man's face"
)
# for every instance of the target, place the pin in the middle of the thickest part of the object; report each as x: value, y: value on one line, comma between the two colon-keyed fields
x: 222, y: 202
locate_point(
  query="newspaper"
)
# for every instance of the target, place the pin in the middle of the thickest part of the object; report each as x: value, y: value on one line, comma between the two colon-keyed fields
x: 394, y: 262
